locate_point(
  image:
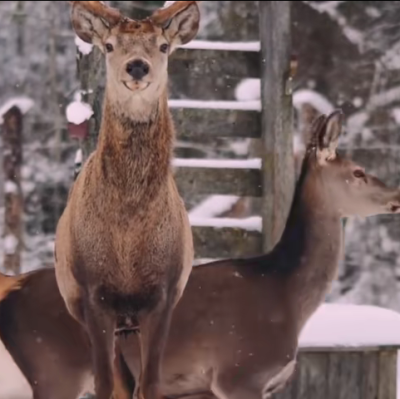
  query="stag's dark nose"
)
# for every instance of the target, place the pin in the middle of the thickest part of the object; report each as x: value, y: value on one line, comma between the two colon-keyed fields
x: 137, y: 69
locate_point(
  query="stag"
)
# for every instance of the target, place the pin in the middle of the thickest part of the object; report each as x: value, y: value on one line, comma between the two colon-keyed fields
x: 124, y: 250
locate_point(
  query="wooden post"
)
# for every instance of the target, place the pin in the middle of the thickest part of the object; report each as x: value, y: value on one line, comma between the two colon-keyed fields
x: 12, y: 161
x: 277, y: 137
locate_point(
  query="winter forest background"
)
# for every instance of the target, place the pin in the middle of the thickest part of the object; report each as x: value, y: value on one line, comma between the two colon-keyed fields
x: 349, y: 56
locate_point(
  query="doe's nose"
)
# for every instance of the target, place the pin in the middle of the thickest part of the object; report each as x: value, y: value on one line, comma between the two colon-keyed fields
x: 137, y: 69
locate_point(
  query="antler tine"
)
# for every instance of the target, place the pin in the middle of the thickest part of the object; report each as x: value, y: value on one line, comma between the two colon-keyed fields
x: 164, y: 15
x: 111, y: 15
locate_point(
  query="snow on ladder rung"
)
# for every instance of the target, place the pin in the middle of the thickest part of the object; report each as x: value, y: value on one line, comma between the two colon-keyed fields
x: 227, y: 105
x: 253, y: 223
x: 223, y: 46
x: 254, y: 163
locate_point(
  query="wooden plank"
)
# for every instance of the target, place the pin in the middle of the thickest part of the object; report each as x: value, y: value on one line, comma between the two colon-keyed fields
x: 207, y: 87
x: 343, y: 376
x: 197, y: 123
x: 210, y: 242
x: 193, y: 63
x: 369, y: 375
x: 278, y: 166
x: 387, y: 375
x: 311, y: 367
x: 240, y: 182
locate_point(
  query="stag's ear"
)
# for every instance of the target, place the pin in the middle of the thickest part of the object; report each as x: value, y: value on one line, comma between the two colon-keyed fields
x: 328, y: 137
x: 92, y: 20
x: 180, y: 22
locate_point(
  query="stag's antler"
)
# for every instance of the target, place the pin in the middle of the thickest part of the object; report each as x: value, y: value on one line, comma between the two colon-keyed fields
x: 109, y: 15
x: 163, y: 16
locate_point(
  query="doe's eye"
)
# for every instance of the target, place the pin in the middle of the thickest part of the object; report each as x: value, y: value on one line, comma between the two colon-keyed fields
x: 359, y: 174
x: 164, y: 48
x: 109, y: 47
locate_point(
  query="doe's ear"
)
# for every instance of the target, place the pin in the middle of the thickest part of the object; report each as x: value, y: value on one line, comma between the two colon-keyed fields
x: 180, y: 22
x: 92, y: 20
x: 328, y: 136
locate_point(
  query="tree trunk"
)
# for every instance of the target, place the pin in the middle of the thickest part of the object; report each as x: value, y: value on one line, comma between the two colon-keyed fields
x: 12, y: 161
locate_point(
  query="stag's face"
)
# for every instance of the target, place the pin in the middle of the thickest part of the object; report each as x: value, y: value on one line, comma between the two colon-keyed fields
x: 136, y: 51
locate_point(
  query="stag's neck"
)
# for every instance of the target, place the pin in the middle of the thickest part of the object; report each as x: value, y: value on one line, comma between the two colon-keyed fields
x: 135, y: 144
x: 310, y: 247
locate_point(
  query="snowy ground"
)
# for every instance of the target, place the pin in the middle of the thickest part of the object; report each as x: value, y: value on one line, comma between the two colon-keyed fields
x: 332, y: 325
x: 12, y: 383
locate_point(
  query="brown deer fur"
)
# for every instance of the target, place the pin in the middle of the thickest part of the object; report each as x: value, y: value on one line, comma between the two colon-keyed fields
x: 51, y: 348
x: 234, y: 332
x: 124, y: 248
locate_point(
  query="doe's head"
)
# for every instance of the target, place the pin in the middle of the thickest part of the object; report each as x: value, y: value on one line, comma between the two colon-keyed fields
x: 345, y: 185
x: 136, y: 51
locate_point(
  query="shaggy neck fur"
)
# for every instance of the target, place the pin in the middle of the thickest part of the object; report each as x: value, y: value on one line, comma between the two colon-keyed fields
x: 135, y: 144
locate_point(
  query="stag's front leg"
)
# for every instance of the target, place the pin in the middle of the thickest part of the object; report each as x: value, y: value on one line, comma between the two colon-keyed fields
x: 100, y: 328
x: 154, y: 329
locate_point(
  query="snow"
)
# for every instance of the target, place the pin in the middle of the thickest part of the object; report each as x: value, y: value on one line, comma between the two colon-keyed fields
x: 23, y: 103
x: 78, y: 112
x: 396, y: 115
x: 217, y: 163
x: 10, y: 244
x: 213, y: 206
x: 168, y: 3
x: 373, y: 12
x: 357, y: 102
x: 10, y: 187
x: 253, y: 223
x: 249, y: 90
x: 313, y: 98
x: 83, y: 47
x: 13, y: 384
x: 237, y: 105
x: 78, y: 157
x: 227, y: 46
x: 331, y: 8
x: 337, y: 325
x: 385, y: 98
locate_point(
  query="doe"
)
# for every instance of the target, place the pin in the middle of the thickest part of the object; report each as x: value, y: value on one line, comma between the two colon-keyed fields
x: 234, y: 333
x: 124, y: 250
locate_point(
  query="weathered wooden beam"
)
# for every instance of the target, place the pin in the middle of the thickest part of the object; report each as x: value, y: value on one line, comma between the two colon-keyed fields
x: 387, y: 371
x: 276, y: 98
x: 348, y: 373
x: 208, y: 122
x: 207, y: 87
x: 192, y: 63
x: 229, y: 181
x: 210, y: 242
x: 13, y: 204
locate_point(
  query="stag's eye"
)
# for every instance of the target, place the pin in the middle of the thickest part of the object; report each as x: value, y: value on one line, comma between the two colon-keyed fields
x: 109, y: 47
x: 359, y: 174
x: 164, y: 48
